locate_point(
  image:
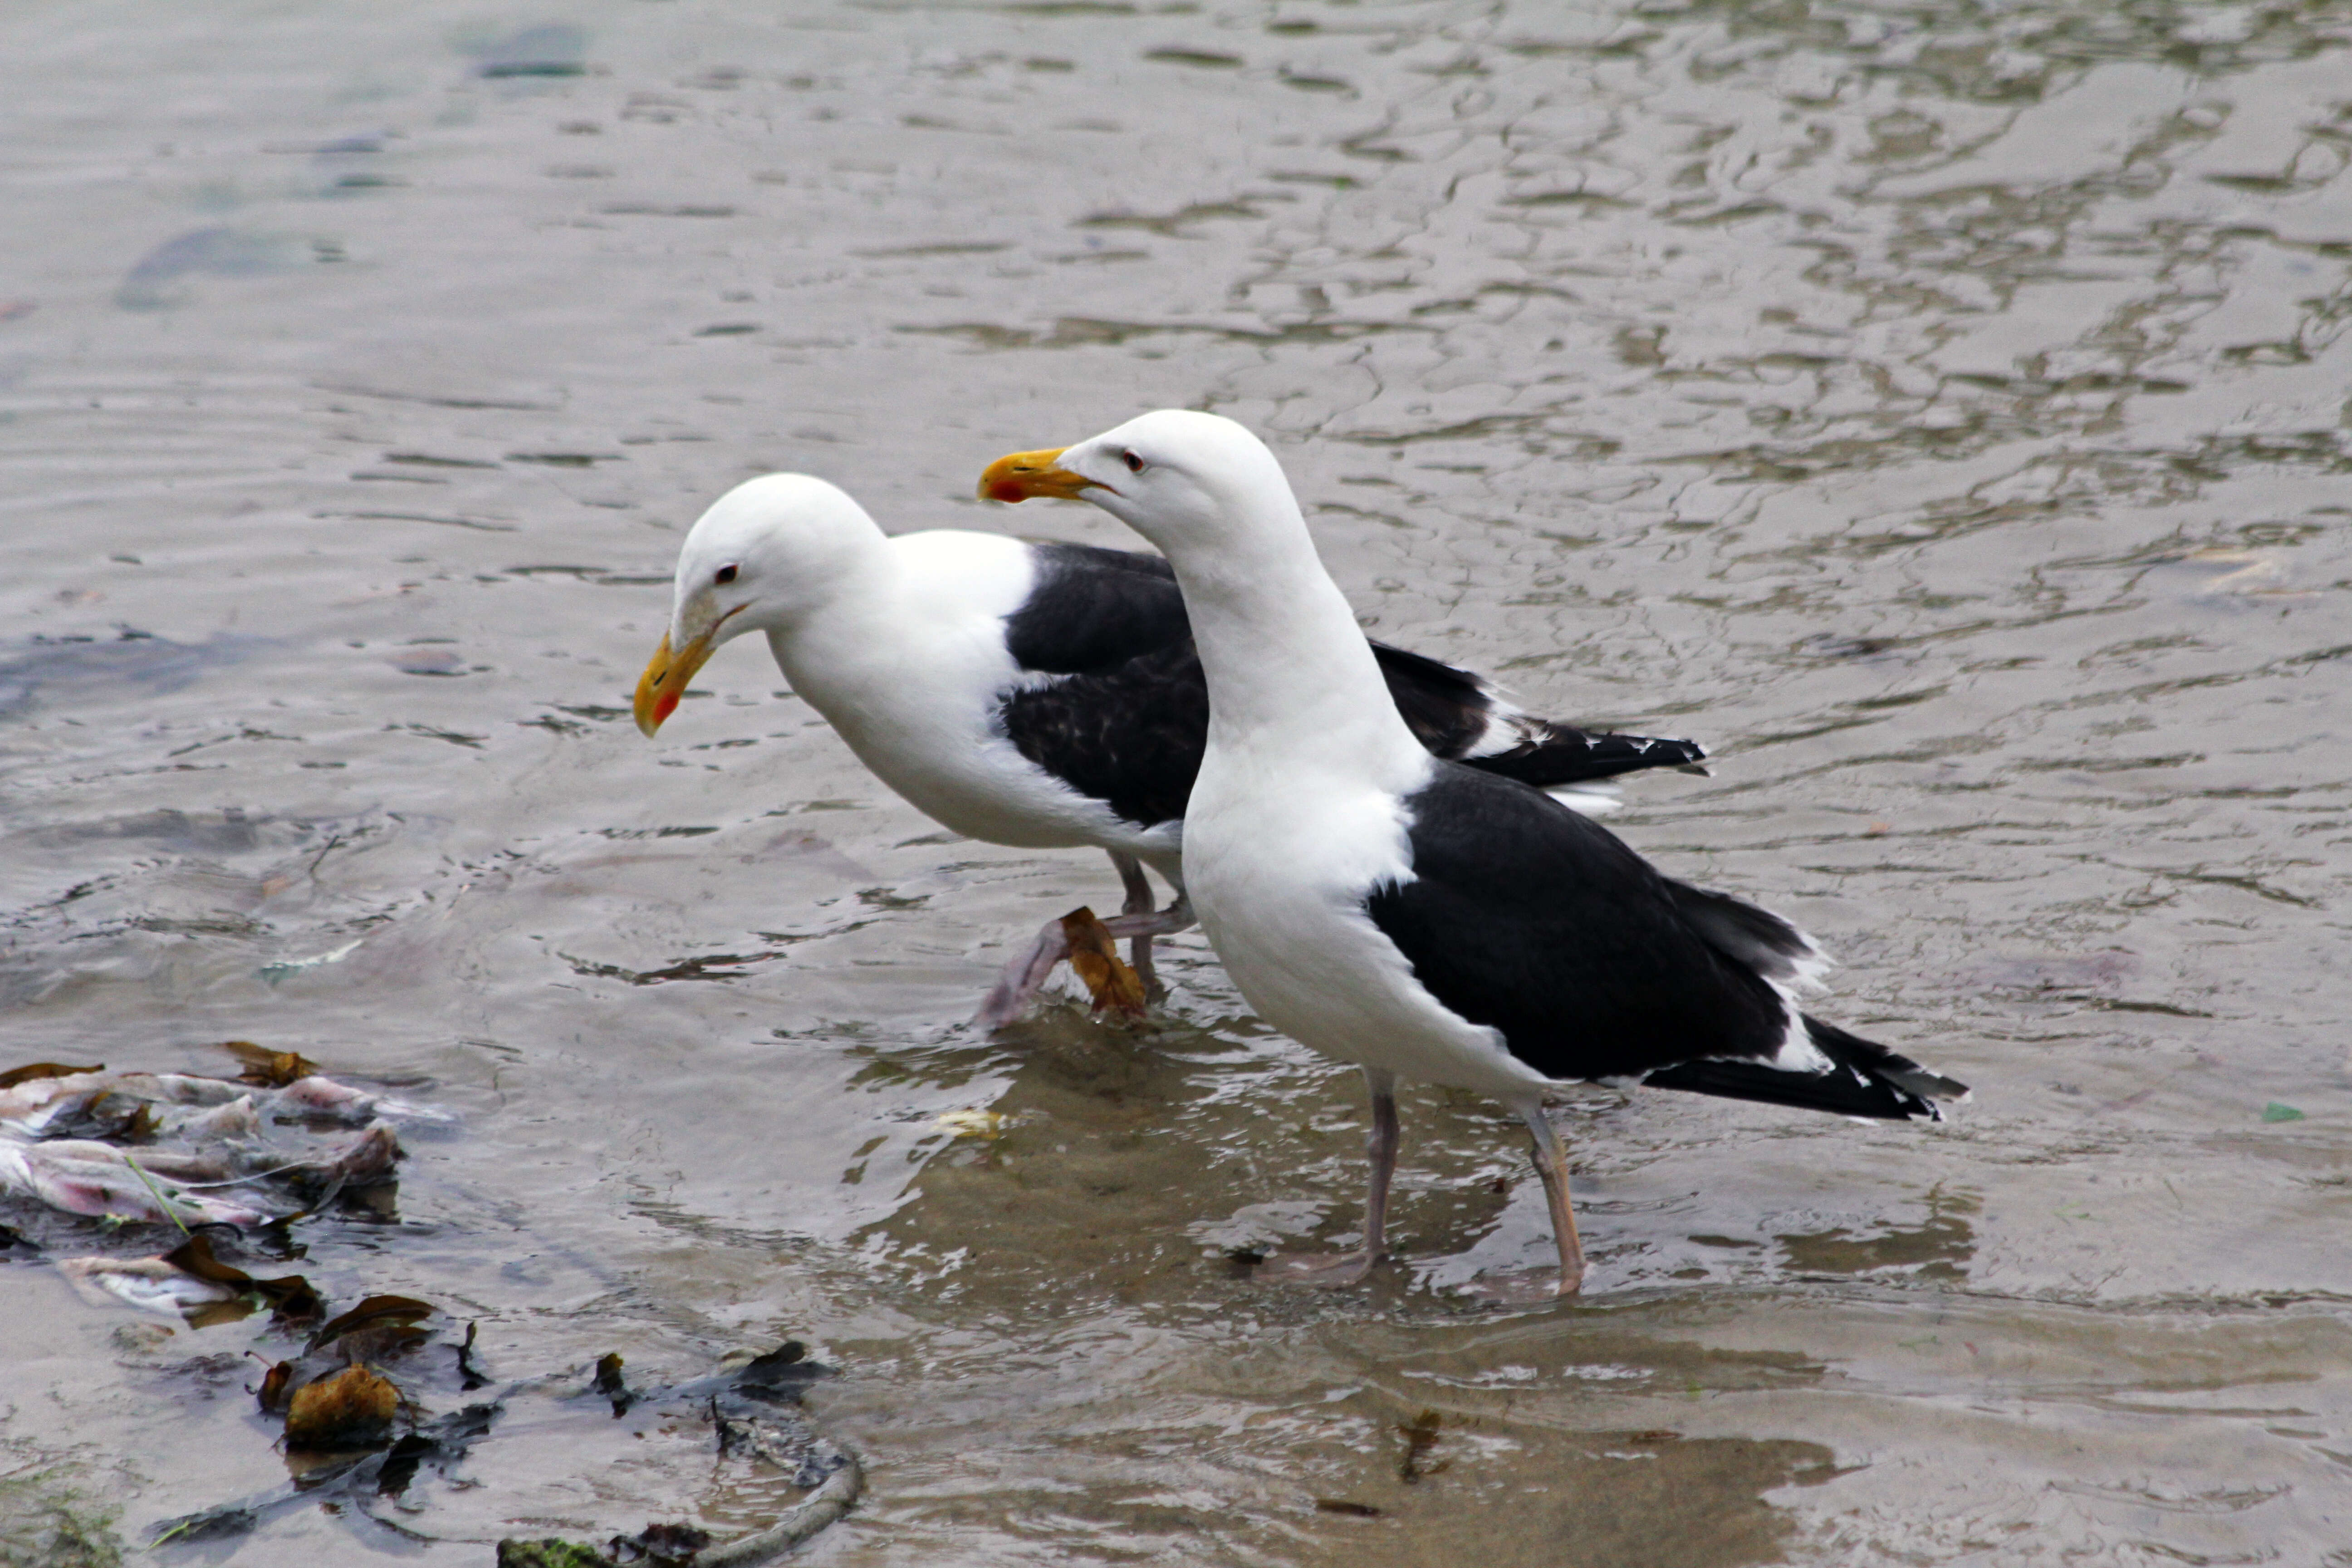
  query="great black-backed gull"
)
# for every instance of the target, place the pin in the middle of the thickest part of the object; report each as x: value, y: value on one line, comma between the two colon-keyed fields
x: 1036, y: 695
x: 1412, y: 916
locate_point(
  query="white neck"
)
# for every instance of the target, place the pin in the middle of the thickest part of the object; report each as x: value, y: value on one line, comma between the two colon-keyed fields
x: 1291, y: 679
x: 918, y: 620
x: 857, y: 624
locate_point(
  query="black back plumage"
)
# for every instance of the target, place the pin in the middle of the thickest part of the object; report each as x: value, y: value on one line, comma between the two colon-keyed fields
x: 1527, y: 918
x: 1091, y: 610
x: 1132, y: 737
x: 1129, y: 720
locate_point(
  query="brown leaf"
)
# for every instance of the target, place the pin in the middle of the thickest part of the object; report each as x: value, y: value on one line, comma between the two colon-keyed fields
x: 114, y: 1118
x: 272, y: 1392
x: 352, y: 1409
x: 288, y: 1295
x: 376, y: 1311
x: 1420, y: 1436
x: 268, y: 1069
x: 32, y: 1070
x: 1094, y: 953
x: 195, y: 1257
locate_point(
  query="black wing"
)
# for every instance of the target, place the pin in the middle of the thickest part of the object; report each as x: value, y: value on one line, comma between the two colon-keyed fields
x: 1091, y: 610
x: 1452, y: 710
x: 1129, y: 724
x: 1549, y: 755
x: 1526, y: 917
x: 1132, y: 738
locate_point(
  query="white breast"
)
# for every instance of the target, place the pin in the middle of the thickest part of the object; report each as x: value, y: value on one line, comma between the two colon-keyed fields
x: 1279, y: 868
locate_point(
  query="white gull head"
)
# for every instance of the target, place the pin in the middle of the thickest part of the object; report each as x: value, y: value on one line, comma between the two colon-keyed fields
x: 1199, y: 485
x: 1289, y: 669
x: 768, y: 553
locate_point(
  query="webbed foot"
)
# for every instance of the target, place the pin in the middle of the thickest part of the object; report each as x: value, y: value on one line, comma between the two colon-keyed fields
x: 1323, y: 1270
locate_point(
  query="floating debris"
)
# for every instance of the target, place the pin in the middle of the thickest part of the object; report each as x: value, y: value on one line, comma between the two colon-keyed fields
x: 114, y: 1188
x: 972, y: 1123
x: 44, y: 1107
x: 149, y: 1284
x: 15, y: 1076
x: 778, y: 1378
x: 550, y: 1552
x: 666, y: 1545
x: 349, y: 1405
x: 1343, y: 1505
x: 469, y: 1374
x: 267, y: 1068
x: 86, y: 1176
x: 223, y: 1123
x: 349, y: 1398
x: 195, y: 1154
x: 1420, y: 1436
x: 609, y: 1383
x: 2275, y: 1111
x: 1094, y: 953
x: 271, y: 973
x: 440, y: 1443
x: 352, y: 1409
x: 828, y: 1503
x: 399, y: 1315
x: 290, y: 1295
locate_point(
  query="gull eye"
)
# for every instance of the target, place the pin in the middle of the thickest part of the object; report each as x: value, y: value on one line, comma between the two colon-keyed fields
x: 726, y: 575
x: 1134, y: 464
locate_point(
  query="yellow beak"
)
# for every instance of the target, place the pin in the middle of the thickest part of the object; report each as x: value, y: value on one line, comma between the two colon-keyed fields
x: 1017, y: 476
x: 663, y: 685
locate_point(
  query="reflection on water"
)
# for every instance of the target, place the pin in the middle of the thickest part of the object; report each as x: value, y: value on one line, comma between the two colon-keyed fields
x: 1936, y: 409
x: 1939, y: 1249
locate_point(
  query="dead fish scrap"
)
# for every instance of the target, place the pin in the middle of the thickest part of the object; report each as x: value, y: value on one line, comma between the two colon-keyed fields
x: 206, y: 1156
x: 186, y: 1149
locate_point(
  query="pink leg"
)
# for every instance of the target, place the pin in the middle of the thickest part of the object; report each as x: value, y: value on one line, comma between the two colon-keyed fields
x: 1138, y: 902
x: 1350, y: 1267
x: 1551, y: 1166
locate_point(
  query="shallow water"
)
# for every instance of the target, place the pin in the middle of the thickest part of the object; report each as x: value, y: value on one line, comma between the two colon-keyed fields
x: 1936, y: 409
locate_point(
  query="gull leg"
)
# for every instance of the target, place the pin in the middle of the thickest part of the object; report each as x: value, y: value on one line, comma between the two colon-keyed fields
x: 1138, y: 902
x: 1350, y: 1267
x: 1176, y: 917
x: 1551, y: 1164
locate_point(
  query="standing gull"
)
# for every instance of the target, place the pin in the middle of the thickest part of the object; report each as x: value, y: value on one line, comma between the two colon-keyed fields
x: 1415, y: 917
x: 1037, y: 695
